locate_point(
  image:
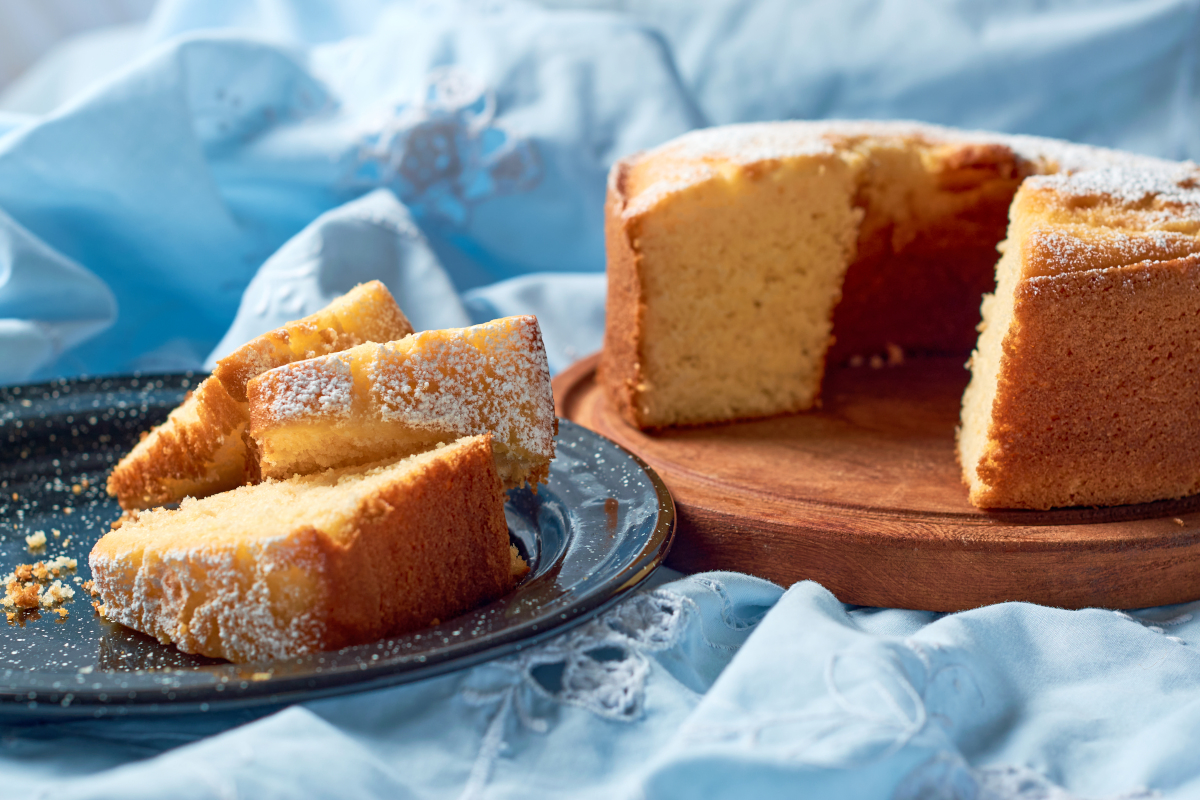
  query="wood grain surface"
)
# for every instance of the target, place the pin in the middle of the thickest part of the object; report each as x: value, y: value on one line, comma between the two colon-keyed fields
x: 865, y: 497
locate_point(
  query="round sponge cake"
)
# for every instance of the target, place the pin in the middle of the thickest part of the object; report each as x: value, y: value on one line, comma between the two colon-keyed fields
x: 742, y: 259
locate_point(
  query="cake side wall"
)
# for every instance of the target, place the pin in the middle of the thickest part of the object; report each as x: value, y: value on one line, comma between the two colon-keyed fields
x: 1096, y: 401
x: 620, y: 368
x: 422, y: 550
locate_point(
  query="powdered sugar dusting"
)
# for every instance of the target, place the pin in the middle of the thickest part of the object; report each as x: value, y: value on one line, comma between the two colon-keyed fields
x: 695, y: 154
x: 196, y: 596
x: 749, y: 143
x: 762, y: 141
x: 323, y: 385
x: 491, y: 377
x: 1150, y: 187
x: 1063, y: 250
x: 683, y: 177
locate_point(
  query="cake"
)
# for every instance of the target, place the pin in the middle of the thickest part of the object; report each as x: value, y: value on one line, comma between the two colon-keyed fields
x: 366, y: 313
x: 318, y: 562
x: 1085, y: 386
x: 379, y: 401
x: 201, y: 449
x: 743, y: 259
x: 197, y: 451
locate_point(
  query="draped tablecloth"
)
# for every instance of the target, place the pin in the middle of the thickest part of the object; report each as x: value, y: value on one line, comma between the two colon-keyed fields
x: 237, y: 164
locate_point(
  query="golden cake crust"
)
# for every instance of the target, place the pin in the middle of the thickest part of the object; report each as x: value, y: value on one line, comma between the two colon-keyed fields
x: 1083, y: 385
x: 367, y: 313
x: 426, y: 541
x: 621, y: 366
x: 202, y: 447
x: 1130, y: 336
x: 198, y: 450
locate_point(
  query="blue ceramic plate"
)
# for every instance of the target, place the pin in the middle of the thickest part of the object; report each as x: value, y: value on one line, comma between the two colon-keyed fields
x: 597, y: 530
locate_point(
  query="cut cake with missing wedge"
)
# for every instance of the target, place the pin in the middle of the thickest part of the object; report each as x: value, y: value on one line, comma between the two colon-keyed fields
x: 200, y: 449
x: 378, y: 401
x: 743, y: 259
x: 319, y: 562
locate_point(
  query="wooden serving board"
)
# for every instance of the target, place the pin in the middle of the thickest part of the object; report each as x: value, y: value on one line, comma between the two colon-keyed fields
x: 865, y: 496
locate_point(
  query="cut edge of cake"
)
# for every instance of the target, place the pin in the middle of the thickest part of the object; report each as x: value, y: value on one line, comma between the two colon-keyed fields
x: 343, y: 557
x: 653, y: 375
x: 198, y: 450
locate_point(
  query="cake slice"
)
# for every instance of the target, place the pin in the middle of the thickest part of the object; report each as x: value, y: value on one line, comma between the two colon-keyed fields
x: 366, y: 313
x: 1084, y: 381
x: 379, y: 401
x: 200, y: 449
x: 342, y: 557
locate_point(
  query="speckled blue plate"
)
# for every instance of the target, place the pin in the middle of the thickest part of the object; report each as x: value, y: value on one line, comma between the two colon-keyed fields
x: 597, y: 530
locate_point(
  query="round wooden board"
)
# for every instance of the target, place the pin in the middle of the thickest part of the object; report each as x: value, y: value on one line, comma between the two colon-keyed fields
x: 865, y: 497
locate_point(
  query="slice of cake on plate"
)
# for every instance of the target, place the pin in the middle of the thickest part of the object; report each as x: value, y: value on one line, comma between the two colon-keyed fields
x: 319, y: 562
x: 379, y: 401
x: 200, y: 449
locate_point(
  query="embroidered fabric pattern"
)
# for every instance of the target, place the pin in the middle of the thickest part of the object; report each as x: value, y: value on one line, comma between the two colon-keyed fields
x: 947, y: 776
x: 1158, y: 626
x: 876, y: 703
x: 728, y: 616
x: 447, y: 151
x: 601, y: 666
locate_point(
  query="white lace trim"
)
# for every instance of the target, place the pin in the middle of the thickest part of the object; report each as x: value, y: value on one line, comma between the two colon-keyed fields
x: 600, y: 666
x: 1157, y: 626
x: 947, y: 776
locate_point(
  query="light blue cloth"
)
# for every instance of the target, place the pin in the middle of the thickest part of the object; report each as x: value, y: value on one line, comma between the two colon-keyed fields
x: 715, y: 685
x: 253, y: 159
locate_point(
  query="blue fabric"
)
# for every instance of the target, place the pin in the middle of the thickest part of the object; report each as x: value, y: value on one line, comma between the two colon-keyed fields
x: 715, y: 685
x: 254, y: 158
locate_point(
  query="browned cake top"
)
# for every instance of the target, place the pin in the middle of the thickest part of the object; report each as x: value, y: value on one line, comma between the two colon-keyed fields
x: 704, y: 154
